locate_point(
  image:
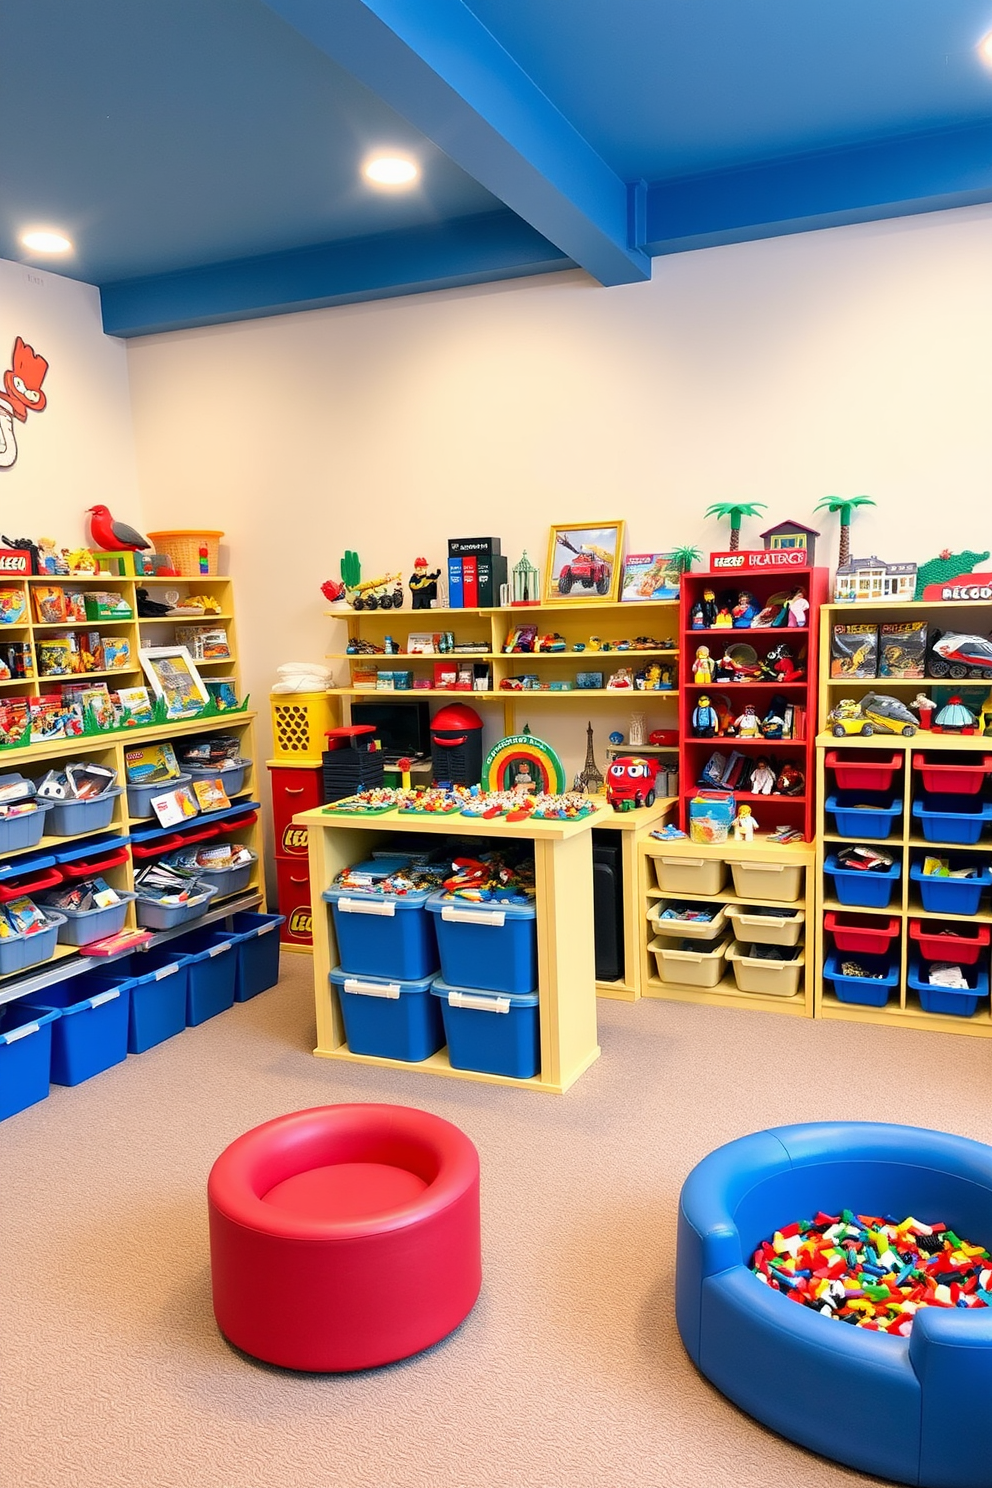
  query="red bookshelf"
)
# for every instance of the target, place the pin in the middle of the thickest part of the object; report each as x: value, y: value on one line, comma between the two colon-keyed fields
x: 730, y: 697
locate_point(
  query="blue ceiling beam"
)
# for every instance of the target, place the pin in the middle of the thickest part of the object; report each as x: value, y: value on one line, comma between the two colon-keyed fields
x: 893, y: 178
x: 439, y: 68
x: 465, y: 250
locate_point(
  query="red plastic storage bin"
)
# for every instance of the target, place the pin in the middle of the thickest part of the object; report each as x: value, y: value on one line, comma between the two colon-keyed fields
x: 294, y: 790
x: 958, y: 779
x: 965, y: 945
x: 866, y: 935
x: 863, y: 772
x: 293, y: 880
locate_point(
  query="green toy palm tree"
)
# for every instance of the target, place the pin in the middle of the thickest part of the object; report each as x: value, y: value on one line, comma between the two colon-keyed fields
x: 735, y: 510
x: 844, y: 506
x: 683, y: 558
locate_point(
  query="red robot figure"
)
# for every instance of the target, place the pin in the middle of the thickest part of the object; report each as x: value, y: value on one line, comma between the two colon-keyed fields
x: 21, y: 395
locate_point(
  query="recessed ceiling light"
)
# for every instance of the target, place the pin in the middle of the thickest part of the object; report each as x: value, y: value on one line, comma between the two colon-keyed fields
x: 45, y: 241
x: 391, y: 170
x: 985, y: 49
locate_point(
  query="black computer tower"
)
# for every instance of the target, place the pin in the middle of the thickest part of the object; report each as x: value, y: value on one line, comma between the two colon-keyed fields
x: 607, y: 898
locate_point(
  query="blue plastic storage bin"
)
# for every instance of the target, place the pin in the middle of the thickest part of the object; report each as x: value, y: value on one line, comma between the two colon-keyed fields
x: 69, y: 818
x: 258, y: 953
x: 25, y: 1057
x: 17, y: 832
x: 391, y: 1019
x: 862, y: 886
x: 382, y: 936
x: 959, y: 896
x: 866, y: 991
x: 140, y: 797
x: 152, y: 914
x: 83, y: 925
x: 159, y: 982
x: 953, y: 818
x: 867, y: 815
x: 492, y: 947
x: 233, y: 779
x: 957, y: 1002
x: 91, y: 1034
x: 18, y: 952
x: 494, y: 1035
x: 213, y: 963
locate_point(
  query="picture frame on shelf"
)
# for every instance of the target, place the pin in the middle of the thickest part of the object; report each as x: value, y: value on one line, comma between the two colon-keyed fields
x: 650, y: 576
x: 584, y: 562
x: 172, y: 673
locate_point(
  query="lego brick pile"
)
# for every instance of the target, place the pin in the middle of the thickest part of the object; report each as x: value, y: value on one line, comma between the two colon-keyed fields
x: 875, y: 1273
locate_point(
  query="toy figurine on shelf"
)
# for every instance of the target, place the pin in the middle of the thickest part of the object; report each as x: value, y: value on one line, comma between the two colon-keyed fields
x: 762, y: 777
x: 747, y: 724
x: 81, y: 561
x: 552, y: 642
x: 423, y: 585
x: 798, y: 608
x: 724, y: 619
x: 744, y: 610
x: 595, y: 643
x: 616, y: 737
x: 954, y: 718
x: 745, y: 825
x: 790, y: 781
x: 779, y: 665
x: 705, y: 720
x: 773, y: 723
x: 621, y: 680
x: 924, y: 706
x: 702, y: 666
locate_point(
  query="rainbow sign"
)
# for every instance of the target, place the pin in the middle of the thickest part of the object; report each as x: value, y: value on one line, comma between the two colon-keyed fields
x: 523, y: 760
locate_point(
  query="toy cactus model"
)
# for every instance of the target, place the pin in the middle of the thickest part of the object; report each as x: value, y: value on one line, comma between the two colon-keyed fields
x: 844, y: 506
x: 351, y: 570
x: 735, y: 510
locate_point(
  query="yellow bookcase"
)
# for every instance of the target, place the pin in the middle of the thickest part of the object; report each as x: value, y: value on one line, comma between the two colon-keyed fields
x: 905, y: 844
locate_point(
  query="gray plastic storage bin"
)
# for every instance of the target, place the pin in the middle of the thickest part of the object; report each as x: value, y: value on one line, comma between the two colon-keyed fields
x: 18, y: 952
x: 225, y: 881
x: 140, y: 797
x: 83, y: 925
x: 24, y: 831
x: 155, y: 916
x: 232, y: 780
x: 69, y: 818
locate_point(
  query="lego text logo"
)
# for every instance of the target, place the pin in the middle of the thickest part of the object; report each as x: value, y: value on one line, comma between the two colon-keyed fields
x: 301, y: 921
x: 13, y: 562
x: 294, y: 840
x: 972, y: 587
x: 761, y: 558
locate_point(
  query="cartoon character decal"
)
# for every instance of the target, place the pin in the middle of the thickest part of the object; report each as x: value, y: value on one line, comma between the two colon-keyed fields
x: 22, y: 394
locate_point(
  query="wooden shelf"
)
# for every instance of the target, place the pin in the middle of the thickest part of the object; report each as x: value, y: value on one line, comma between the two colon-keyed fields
x: 922, y: 741
x: 912, y: 1016
x: 744, y: 686
x: 726, y: 994
x: 744, y: 632
x: 82, y: 624
x: 440, y: 1064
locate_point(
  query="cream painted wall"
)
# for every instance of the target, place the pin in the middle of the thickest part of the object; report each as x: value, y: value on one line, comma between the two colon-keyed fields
x: 80, y: 449
x: 853, y: 360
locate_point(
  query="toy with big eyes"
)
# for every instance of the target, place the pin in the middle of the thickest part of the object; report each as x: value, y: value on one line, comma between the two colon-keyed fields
x: 616, y: 737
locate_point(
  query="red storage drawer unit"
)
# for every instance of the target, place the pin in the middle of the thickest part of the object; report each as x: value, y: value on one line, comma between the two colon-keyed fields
x: 867, y: 935
x: 293, y: 886
x: 861, y: 772
x: 958, y: 778
x: 293, y: 790
x: 964, y: 945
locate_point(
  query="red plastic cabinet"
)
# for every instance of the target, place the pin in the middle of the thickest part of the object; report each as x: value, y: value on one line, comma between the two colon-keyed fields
x: 293, y: 883
x: 293, y: 791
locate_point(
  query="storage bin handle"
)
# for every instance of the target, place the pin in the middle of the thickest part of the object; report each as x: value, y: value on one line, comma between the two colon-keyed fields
x: 154, y: 849
x: 86, y: 866
x: 479, y: 1004
x: 372, y: 989
x: 46, y: 880
x: 293, y: 790
x: 385, y: 907
x: 19, y: 1033
x: 164, y: 971
x: 767, y: 867
x: 99, y: 998
x: 494, y: 917
x: 683, y: 862
x: 218, y: 950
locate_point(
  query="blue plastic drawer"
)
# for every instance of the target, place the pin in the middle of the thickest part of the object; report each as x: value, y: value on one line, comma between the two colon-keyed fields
x: 19, y: 952
x: 140, y: 797
x: 69, y: 818
x: 25, y: 831
x: 866, y: 991
x: 258, y: 953
x: 960, y: 896
x: 865, y: 815
x: 492, y: 947
x: 91, y: 1034
x: 964, y: 822
x: 956, y: 1002
x: 384, y: 936
x: 861, y: 886
x: 25, y: 1057
x: 160, y: 979
x: 494, y: 1035
x: 213, y: 965
x: 391, y: 1019
x: 83, y: 925
x: 152, y: 914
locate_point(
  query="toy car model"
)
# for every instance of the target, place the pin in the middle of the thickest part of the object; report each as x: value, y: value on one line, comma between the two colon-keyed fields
x: 587, y: 566
x: 630, y: 781
x: 552, y: 642
x: 875, y: 713
x: 959, y: 656
x: 376, y: 594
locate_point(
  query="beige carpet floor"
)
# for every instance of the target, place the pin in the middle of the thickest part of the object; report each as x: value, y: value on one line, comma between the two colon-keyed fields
x: 569, y: 1371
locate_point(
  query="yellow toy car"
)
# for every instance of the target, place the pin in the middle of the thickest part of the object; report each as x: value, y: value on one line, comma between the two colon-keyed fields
x: 875, y: 713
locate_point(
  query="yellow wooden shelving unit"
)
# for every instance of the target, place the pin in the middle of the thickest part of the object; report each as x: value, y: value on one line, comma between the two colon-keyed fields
x: 906, y: 843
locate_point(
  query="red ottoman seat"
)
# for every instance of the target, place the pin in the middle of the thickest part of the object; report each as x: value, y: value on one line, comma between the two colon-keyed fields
x: 344, y: 1236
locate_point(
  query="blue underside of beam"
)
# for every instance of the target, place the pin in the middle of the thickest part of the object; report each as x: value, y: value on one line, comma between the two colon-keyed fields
x: 468, y: 250
x: 438, y: 66
x: 894, y: 178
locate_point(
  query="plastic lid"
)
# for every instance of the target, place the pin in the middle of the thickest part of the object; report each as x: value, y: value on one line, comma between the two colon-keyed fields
x: 338, y: 976
x: 456, y: 716
x: 442, y: 988
x: 440, y: 900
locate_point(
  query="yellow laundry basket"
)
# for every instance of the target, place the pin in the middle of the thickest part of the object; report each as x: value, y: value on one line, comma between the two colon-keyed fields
x: 299, y: 722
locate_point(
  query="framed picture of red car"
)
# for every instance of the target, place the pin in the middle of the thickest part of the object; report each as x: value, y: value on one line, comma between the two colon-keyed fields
x: 584, y: 562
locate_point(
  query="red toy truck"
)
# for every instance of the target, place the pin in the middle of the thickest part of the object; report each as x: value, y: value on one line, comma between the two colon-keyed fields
x: 630, y: 781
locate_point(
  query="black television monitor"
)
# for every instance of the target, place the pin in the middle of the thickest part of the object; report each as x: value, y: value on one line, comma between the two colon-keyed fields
x: 403, y: 725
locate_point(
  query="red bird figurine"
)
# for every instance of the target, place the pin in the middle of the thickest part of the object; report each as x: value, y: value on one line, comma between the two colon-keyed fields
x: 108, y: 536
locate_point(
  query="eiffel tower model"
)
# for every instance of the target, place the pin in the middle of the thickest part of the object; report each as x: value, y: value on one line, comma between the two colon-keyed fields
x: 591, y: 775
